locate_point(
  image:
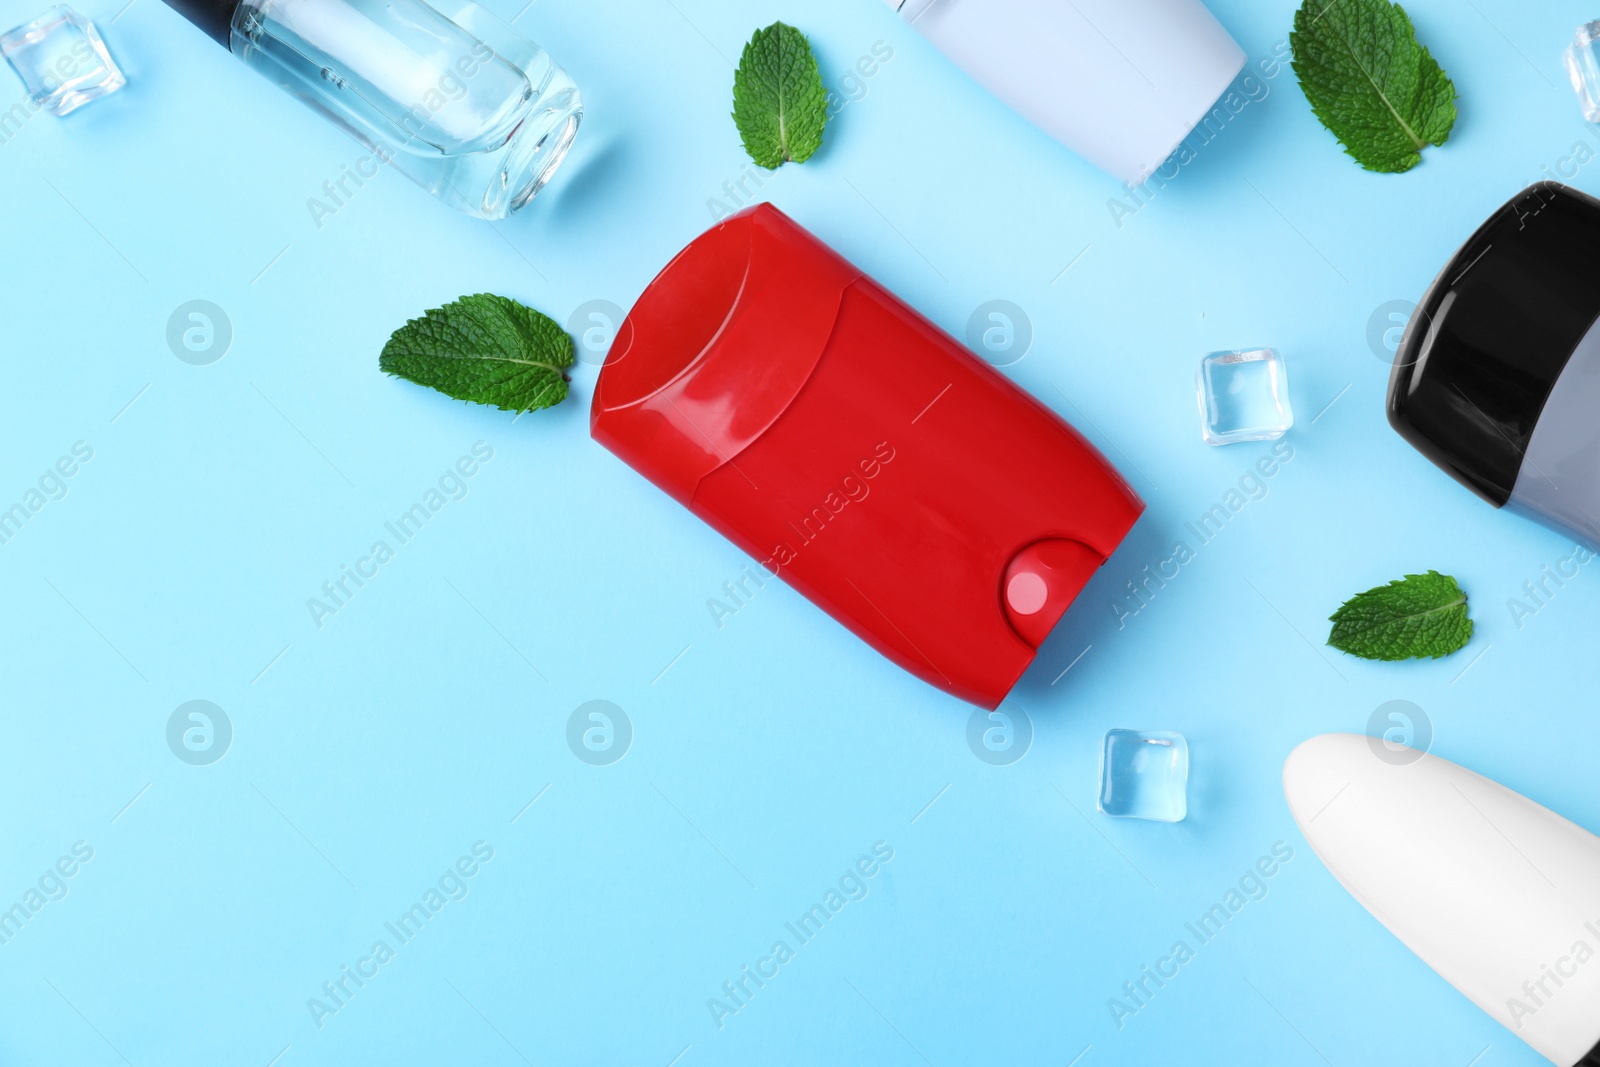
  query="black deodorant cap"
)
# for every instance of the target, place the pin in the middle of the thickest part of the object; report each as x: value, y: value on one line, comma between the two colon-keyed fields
x: 213, y: 16
x: 1493, y: 333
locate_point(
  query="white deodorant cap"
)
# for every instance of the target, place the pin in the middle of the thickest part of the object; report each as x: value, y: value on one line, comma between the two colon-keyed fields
x: 1499, y: 895
x: 1120, y: 82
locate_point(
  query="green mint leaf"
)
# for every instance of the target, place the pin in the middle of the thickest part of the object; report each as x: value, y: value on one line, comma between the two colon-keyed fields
x: 1370, y: 81
x: 1420, y: 615
x: 779, y: 104
x: 484, y: 348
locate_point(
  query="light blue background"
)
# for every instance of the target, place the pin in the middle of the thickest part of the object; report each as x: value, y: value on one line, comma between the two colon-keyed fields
x: 771, y: 752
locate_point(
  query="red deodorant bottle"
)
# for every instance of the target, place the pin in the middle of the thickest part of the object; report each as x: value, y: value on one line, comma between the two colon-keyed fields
x: 859, y: 452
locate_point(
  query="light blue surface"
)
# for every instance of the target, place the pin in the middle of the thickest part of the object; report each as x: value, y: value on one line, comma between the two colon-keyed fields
x: 767, y: 754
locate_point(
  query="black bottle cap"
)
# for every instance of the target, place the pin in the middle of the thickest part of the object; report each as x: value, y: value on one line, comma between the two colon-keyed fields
x: 1486, y: 344
x: 213, y: 16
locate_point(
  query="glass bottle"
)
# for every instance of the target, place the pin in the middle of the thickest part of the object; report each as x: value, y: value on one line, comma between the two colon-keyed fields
x: 450, y: 96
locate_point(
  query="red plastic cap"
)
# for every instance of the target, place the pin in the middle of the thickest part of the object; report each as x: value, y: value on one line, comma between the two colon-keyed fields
x: 717, y: 347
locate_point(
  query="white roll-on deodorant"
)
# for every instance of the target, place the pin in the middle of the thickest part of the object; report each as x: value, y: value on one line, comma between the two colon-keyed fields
x: 1499, y: 895
x: 1120, y: 82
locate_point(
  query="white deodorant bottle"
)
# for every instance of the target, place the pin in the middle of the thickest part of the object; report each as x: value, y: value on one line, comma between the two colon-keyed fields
x: 1499, y: 895
x: 1120, y: 82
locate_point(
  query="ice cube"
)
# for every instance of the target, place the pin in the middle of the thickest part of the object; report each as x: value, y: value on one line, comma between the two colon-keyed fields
x: 1244, y: 396
x: 1144, y: 775
x: 1583, y: 67
x: 62, y: 60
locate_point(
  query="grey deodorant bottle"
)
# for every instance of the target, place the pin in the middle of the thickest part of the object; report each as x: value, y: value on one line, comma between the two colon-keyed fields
x: 1497, y: 379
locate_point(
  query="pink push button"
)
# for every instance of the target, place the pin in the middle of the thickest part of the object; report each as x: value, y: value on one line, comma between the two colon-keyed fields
x: 1042, y: 581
